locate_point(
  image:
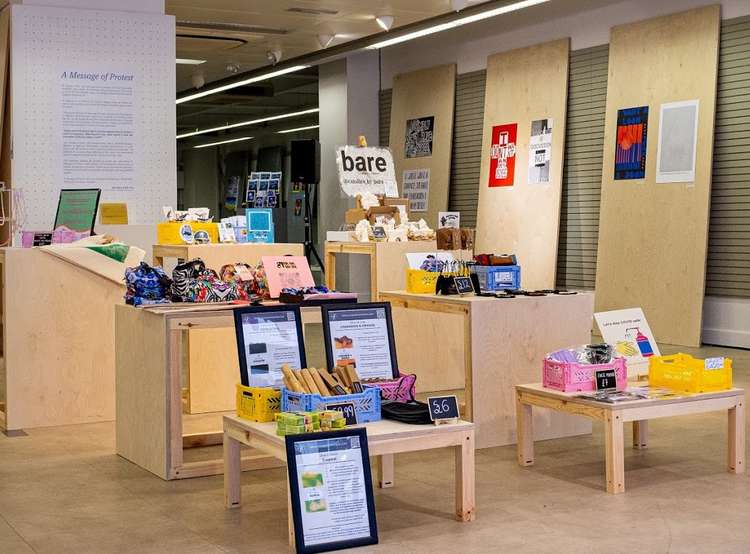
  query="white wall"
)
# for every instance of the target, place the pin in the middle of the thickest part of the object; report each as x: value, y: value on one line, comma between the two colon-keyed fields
x: 470, y: 45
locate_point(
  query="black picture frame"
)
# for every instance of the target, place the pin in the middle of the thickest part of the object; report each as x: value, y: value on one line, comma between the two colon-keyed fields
x: 291, y: 464
x: 240, y: 334
x: 328, y: 340
x: 96, y: 209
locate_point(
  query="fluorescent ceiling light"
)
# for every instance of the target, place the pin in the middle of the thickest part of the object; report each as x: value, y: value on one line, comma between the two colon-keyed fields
x: 188, y: 61
x: 236, y: 84
x: 222, y: 142
x: 299, y: 129
x: 457, y: 23
x: 251, y: 122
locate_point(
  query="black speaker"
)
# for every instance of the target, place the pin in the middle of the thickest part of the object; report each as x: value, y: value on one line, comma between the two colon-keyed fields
x: 305, y: 165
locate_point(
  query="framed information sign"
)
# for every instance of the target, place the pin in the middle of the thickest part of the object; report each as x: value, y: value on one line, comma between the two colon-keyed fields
x: 330, y: 484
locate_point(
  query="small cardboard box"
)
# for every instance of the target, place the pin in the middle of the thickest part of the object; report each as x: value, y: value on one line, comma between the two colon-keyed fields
x: 391, y: 211
x: 355, y: 215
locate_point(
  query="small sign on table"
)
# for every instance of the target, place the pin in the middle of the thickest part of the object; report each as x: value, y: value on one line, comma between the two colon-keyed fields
x: 606, y: 380
x: 346, y: 408
x: 443, y: 409
x: 463, y: 285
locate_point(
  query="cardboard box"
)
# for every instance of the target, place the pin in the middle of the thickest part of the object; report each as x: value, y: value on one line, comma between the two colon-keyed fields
x: 355, y: 215
x: 391, y: 211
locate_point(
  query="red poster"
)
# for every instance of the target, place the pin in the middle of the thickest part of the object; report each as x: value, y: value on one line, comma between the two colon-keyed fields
x: 503, y: 155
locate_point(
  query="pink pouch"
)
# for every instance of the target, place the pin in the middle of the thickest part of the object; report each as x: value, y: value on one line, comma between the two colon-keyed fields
x: 402, y: 389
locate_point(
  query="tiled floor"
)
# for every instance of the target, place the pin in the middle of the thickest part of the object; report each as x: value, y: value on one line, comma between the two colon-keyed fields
x: 64, y: 490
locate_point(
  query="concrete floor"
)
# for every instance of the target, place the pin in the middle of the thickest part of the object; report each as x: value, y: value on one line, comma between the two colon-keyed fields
x: 64, y: 490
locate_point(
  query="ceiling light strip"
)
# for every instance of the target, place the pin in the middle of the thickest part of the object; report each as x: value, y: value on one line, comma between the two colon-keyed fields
x: 229, y: 86
x: 251, y: 122
x: 222, y: 142
x: 456, y: 23
x: 309, y: 127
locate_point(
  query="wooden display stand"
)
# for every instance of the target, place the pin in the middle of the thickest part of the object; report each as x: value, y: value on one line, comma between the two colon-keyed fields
x: 58, y: 342
x: 212, y: 353
x: 388, y: 263
x: 639, y: 412
x: 151, y: 429
x: 485, y: 346
x: 384, y: 439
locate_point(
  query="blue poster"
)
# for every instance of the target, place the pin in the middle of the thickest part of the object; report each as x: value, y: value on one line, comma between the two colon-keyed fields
x: 631, y: 145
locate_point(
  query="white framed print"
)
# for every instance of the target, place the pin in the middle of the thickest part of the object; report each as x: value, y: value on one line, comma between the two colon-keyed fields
x: 678, y: 140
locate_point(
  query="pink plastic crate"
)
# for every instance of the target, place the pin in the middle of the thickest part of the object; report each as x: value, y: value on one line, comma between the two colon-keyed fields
x: 575, y: 377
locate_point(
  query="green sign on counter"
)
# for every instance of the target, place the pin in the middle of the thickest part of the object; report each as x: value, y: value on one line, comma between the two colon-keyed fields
x: 77, y: 208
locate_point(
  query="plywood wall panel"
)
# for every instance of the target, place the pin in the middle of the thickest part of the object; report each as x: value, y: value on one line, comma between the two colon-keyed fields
x: 653, y: 237
x: 522, y: 86
x: 424, y: 93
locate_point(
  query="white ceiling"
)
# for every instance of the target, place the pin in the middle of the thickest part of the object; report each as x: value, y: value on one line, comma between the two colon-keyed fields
x: 296, y: 33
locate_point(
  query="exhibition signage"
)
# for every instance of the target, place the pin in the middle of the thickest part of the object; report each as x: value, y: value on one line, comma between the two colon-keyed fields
x: 366, y: 170
x: 76, y: 209
x: 268, y: 338
x: 443, y: 408
x: 629, y: 332
x: 330, y: 484
x: 503, y: 155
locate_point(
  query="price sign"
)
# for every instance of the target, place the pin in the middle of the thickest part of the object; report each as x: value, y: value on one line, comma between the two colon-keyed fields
x: 347, y: 408
x: 443, y: 407
x: 606, y: 380
x: 463, y: 285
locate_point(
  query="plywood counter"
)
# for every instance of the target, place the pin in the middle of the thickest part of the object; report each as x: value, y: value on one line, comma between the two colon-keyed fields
x: 486, y: 346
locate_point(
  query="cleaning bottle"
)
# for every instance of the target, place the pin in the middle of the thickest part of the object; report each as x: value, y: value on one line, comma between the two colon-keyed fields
x: 643, y: 344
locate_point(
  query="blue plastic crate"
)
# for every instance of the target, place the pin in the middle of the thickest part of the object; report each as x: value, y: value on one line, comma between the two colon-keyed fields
x: 498, y: 277
x: 366, y: 404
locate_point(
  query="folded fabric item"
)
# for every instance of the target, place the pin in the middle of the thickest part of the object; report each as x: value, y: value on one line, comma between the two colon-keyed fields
x: 593, y: 354
x: 192, y: 281
x: 495, y: 259
x: 146, y: 285
x: 100, y: 254
x: 415, y: 413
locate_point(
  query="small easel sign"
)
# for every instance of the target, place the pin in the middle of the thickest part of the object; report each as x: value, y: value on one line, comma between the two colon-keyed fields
x: 443, y: 409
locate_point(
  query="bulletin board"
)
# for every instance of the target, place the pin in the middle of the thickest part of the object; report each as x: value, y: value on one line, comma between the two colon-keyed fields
x: 653, y: 236
x: 518, y: 215
x: 422, y: 136
x: 74, y: 128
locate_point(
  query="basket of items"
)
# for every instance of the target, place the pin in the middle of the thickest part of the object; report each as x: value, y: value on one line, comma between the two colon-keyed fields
x: 574, y: 369
x: 682, y: 372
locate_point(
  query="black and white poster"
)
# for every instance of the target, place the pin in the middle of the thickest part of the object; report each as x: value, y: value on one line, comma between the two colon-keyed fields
x: 419, y: 134
x: 540, y: 151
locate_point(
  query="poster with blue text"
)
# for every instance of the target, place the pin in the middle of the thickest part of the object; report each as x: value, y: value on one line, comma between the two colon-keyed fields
x: 631, y: 146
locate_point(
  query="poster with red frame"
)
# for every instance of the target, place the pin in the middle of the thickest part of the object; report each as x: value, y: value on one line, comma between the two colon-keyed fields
x: 503, y: 155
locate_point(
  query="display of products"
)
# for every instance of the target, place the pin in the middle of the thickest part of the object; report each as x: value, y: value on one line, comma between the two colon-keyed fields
x: 294, y: 423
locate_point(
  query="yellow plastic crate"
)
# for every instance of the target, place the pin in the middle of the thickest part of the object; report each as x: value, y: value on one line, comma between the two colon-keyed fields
x: 168, y: 232
x: 420, y: 281
x: 682, y: 372
x: 258, y: 403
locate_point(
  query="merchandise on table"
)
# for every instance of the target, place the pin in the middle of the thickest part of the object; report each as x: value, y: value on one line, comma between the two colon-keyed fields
x: 498, y: 278
x: 683, y: 372
x: 574, y: 369
x: 146, y: 285
x: 295, y: 423
x: 243, y: 276
x: 259, y: 404
x: 402, y: 389
x: 192, y: 281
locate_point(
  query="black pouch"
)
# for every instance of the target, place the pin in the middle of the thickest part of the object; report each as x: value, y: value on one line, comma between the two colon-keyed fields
x: 415, y: 413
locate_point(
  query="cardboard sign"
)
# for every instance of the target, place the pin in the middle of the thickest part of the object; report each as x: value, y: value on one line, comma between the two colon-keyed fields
x: 113, y: 213
x: 366, y: 170
x: 346, y: 408
x: 503, y: 155
x: 285, y: 272
x: 443, y: 407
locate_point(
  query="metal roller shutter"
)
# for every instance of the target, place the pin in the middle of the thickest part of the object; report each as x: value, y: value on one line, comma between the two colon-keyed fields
x: 582, y: 168
x: 384, y: 110
x: 728, y: 270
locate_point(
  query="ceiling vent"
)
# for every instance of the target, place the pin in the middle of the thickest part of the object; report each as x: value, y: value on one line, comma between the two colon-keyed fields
x: 312, y: 11
x: 230, y: 27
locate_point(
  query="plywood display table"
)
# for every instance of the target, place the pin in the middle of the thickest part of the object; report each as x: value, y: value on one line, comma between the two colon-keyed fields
x: 212, y: 352
x: 387, y: 261
x: 148, y: 360
x: 384, y: 438
x: 486, y: 346
x: 637, y: 411
x: 58, y: 342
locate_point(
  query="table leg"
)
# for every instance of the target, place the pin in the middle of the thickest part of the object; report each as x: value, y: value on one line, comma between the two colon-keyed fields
x: 640, y: 434
x: 614, y: 452
x: 290, y: 515
x: 736, y: 438
x: 524, y: 433
x: 330, y: 270
x: 386, y: 471
x: 374, y: 293
x: 232, y: 472
x: 465, y: 486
